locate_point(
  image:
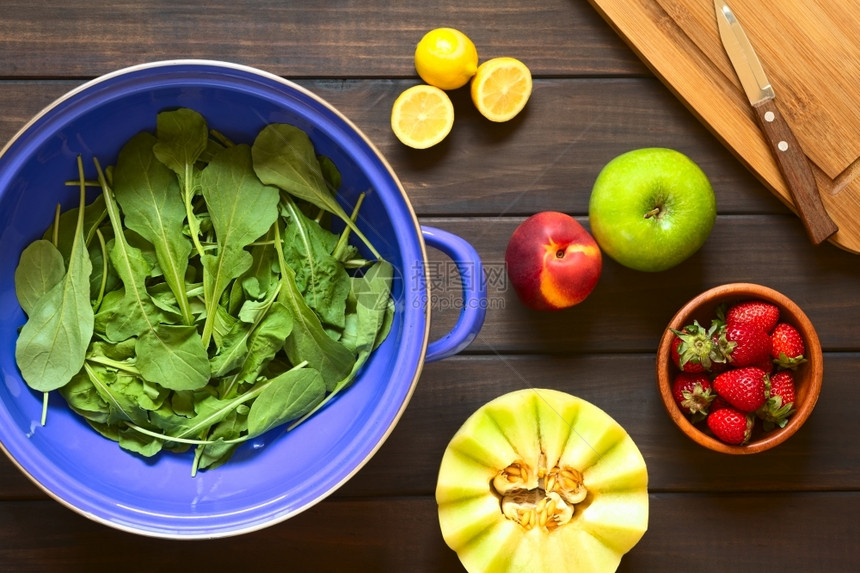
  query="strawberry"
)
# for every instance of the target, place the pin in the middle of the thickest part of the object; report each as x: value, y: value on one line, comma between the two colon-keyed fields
x: 744, y: 344
x: 787, y: 346
x: 782, y: 386
x: 693, y: 393
x: 743, y: 388
x: 756, y: 312
x: 780, y: 400
x: 690, y: 365
x: 718, y: 403
x: 731, y: 426
x: 694, y: 350
x: 765, y: 365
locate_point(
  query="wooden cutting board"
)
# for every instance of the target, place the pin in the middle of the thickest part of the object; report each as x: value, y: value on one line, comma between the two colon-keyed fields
x: 810, y: 50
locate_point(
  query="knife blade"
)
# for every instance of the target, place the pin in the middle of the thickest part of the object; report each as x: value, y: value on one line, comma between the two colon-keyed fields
x: 792, y: 162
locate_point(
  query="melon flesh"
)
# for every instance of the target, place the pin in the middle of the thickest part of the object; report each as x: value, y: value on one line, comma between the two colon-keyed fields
x: 540, y: 480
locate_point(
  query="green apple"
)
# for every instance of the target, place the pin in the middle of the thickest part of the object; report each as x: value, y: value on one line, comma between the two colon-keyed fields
x: 651, y: 208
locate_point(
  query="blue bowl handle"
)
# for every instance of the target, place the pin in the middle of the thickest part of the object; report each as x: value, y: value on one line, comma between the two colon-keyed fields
x: 474, y: 307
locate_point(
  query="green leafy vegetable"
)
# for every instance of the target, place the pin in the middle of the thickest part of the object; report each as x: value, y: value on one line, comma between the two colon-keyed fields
x: 253, y: 340
x: 241, y: 209
x: 198, y: 301
x: 172, y: 356
x: 181, y: 139
x: 148, y: 193
x: 54, y: 340
x: 284, y: 157
x: 371, y: 306
x: 308, y: 341
x: 62, y: 232
x: 40, y: 268
x: 285, y: 398
x: 321, y: 278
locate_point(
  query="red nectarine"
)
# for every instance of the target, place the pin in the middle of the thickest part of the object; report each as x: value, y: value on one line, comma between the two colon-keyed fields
x: 552, y: 261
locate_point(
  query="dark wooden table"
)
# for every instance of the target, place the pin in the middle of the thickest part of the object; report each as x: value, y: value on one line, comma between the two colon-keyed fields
x: 795, y: 508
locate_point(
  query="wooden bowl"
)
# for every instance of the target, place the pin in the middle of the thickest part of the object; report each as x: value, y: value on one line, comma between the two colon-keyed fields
x: 808, y: 376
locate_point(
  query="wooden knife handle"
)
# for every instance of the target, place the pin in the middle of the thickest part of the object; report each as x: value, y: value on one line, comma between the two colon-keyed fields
x: 795, y: 169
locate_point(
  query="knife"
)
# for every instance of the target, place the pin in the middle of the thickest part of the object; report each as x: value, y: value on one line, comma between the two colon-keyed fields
x: 792, y: 162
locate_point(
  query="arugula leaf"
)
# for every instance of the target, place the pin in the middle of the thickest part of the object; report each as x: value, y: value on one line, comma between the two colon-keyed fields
x: 209, y: 410
x: 225, y: 322
x: 244, y: 347
x: 120, y: 351
x: 102, y: 278
x: 308, y: 341
x: 322, y: 279
x: 82, y: 397
x: 285, y: 398
x: 53, y: 342
x: 138, y: 443
x: 148, y: 194
x: 62, y: 231
x: 242, y: 210
x: 134, y: 311
x: 232, y: 350
x: 262, y: 277
x: 221, y: 442
x: 284, y: 157
x: 182, y: 138
x: 370, y: 304
x: 172, y: 356
x: 330, y: 172
x: 371, y: 297
x: 264, y: 342
x: 121, y: 405
x: 40, y: 268
x: 129, y: 439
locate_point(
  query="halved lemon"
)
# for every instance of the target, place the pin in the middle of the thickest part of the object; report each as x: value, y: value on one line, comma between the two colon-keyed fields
x: 422, y: 116
x: 501, y: 88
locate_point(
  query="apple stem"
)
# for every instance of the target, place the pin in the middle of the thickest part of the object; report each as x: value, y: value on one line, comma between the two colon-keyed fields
x: 559, y: 254
x: 652, y: 213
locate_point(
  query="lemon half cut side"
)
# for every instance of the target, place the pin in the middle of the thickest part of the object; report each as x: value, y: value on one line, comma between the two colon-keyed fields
x: 422, y: 116
x: 501, y: 88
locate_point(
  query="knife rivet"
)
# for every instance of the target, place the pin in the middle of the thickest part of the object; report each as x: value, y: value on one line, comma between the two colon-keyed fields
x: 782, y: 145
x: 769, y: 116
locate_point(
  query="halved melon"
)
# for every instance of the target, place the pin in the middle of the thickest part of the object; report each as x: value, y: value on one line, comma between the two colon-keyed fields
x: 539, y: 480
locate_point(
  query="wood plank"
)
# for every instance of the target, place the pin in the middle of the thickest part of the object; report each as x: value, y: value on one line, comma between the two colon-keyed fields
x: 628, y: 309
x: 517, y: 168
x: 624, y: 386
x: 757, y: 530
x: 804, y: 47
x: 548, y: 158
x: 366, y: 39
x: 797, y: 533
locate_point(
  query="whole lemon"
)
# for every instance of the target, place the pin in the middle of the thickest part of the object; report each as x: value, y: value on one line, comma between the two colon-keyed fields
x: 446, y: 58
